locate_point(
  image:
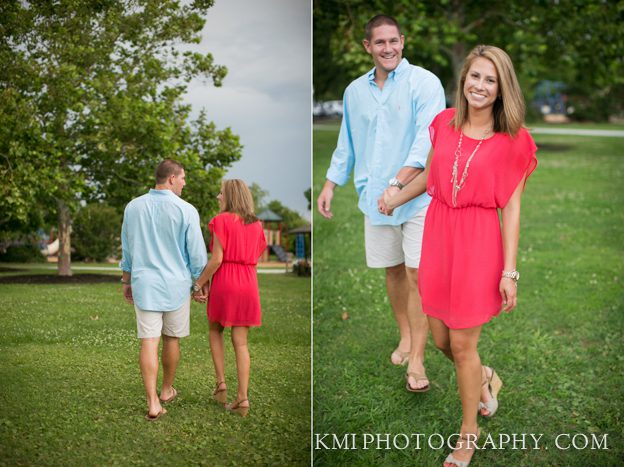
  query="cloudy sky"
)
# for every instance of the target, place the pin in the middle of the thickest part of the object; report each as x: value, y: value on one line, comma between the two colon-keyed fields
x: 266, y: 95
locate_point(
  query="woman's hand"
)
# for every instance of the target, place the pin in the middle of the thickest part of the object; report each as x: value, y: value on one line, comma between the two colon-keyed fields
x: 509, y: 293
x: 384, y: 201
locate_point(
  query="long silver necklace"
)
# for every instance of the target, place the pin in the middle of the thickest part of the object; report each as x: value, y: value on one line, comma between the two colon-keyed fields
x: 462, y: 182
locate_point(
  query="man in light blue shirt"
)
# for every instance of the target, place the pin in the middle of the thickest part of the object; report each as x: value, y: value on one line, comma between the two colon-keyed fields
x: 163, y: 251
x: 384, y: 140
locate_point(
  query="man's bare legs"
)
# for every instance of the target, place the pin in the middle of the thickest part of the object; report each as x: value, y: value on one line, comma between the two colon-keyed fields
x: 419, y: 331
x: 148, y: 363
x: 396, y: 286
x: 170, y: 359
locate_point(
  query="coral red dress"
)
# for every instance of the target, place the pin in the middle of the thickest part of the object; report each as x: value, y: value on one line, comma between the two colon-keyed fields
x: 234, y: 298
x: 462, y: 249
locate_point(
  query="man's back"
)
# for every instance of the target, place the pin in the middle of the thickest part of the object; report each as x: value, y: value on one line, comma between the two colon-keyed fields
x: 163, y: 248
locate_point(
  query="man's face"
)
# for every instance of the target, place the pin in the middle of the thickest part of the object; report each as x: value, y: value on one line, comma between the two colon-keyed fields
x: 386, y: 47
x: 178, y: 182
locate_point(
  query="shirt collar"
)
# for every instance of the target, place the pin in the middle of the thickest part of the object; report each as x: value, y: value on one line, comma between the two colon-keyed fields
x: 154, y: 191
x: 394, y: 74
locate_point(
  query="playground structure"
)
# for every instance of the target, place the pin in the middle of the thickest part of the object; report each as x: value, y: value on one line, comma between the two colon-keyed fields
x: 272, y: 225
x: 302, y: 264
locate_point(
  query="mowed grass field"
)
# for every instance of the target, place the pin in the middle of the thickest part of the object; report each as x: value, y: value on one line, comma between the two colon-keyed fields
x: 559, y: 353
x: 71, y: 391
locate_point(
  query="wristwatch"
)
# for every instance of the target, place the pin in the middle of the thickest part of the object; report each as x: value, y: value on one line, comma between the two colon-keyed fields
x: 125, y: 282
x: 195, y: 287
x: 514, y: 275
x: 395, y: 182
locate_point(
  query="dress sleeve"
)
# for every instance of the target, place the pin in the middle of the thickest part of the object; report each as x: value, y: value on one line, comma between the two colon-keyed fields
x: 519, y: 162
x: 434, y: 127
x: 217, y: 227
x: 262, y: 244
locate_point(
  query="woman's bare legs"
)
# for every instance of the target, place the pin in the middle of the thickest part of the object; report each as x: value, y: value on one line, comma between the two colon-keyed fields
x: 215, y: 335
x: 239, y: 341
x: 468, y: 368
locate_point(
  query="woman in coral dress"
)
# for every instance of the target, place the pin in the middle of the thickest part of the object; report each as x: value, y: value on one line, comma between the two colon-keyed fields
x: 480, y: 160
x: 236, y: 243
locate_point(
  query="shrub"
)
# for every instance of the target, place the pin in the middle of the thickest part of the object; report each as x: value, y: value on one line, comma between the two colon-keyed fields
x: 27, y: 253
x: 95, y: 232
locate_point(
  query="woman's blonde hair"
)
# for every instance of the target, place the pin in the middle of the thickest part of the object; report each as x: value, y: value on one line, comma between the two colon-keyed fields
x: 237, y: 199
x: 508, y: 108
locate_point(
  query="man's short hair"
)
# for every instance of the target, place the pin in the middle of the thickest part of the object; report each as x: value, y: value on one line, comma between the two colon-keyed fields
x: 166, y: 169
x: 379, y: 20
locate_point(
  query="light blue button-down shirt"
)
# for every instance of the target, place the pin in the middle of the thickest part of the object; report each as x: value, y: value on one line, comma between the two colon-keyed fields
x: 384, y: 130
x: 163, y: 248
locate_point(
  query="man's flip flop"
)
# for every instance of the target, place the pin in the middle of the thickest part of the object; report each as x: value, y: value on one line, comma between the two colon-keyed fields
x: 153, y: 418
x: 175, y: 394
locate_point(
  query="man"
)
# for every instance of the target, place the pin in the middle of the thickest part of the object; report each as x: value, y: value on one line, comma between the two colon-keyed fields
x: 163, y: 250
x: 384, y: 139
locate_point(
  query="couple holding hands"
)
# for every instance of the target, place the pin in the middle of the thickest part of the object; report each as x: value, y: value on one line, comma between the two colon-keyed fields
x: 163, y: 251
x: 431, y: 182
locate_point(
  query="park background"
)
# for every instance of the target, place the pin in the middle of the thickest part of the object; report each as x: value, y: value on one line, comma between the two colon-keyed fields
x: 560, y: 352
x: 92, y: 96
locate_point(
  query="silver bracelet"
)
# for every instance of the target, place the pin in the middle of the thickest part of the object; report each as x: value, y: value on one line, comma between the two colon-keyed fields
x: 514, y: 275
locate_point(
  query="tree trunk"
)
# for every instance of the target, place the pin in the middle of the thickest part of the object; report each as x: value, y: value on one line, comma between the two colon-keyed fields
x: 457, y: 61
x: 64, y: 252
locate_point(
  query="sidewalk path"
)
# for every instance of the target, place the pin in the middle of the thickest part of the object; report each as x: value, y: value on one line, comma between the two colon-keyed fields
x: 113, y: 269
x: 577, y: 132
x: 536, y: 130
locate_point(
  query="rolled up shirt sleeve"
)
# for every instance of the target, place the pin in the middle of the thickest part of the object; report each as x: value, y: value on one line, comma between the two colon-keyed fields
x: 126, y: 257
x: 196, y: 248
x: 429, y: 102
x: 343, y: 157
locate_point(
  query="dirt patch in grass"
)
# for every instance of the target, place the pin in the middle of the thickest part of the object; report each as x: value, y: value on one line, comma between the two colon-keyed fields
x: 54, y: 279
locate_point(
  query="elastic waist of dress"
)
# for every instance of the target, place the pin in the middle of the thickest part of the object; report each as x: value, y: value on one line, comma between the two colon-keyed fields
x: 445, y: 204
x: 242, y: 263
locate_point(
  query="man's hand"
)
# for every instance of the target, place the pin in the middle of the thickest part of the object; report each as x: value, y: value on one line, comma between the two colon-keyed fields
x: 384, y: 198
x: 127, y: 293
x: 324, y: 200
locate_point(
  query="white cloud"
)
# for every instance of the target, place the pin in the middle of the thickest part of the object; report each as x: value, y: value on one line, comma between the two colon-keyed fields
x: 265, y: 97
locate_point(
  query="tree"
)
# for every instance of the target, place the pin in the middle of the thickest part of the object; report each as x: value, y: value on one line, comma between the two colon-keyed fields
x: 308, y: 196
x: 568, y: 40
x: 259, y: 195
x: 90, y: 102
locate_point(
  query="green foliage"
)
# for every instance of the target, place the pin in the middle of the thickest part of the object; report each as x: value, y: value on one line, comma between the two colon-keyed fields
x: 259, y: 196
x: 72, y: 391
x: 308, y: 196
x: 567, y: 329
x: 27, y: 253
x: 90, y: 103
x: 579, y: 43
x: 96, y: 230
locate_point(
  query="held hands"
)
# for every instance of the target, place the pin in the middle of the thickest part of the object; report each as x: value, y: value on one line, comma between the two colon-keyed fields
x: 509, y: 293
x: 202, y: 295
x: 384, y: 199
x: 127, y: 293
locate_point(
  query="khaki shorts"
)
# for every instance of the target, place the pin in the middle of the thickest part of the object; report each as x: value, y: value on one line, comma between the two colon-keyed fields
x: 169, y: 323
x: 391, y: 245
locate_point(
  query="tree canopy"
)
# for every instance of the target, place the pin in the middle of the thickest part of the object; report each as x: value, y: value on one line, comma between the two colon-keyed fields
x: 91, y: 101
x: 578, y: 42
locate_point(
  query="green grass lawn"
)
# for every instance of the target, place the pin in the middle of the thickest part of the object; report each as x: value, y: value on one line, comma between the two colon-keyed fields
x: 71, y: 390
x: 559, y: 353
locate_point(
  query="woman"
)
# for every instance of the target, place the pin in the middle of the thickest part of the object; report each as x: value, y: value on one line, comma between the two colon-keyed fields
x: 480, y: 159
x: 236, y: 244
